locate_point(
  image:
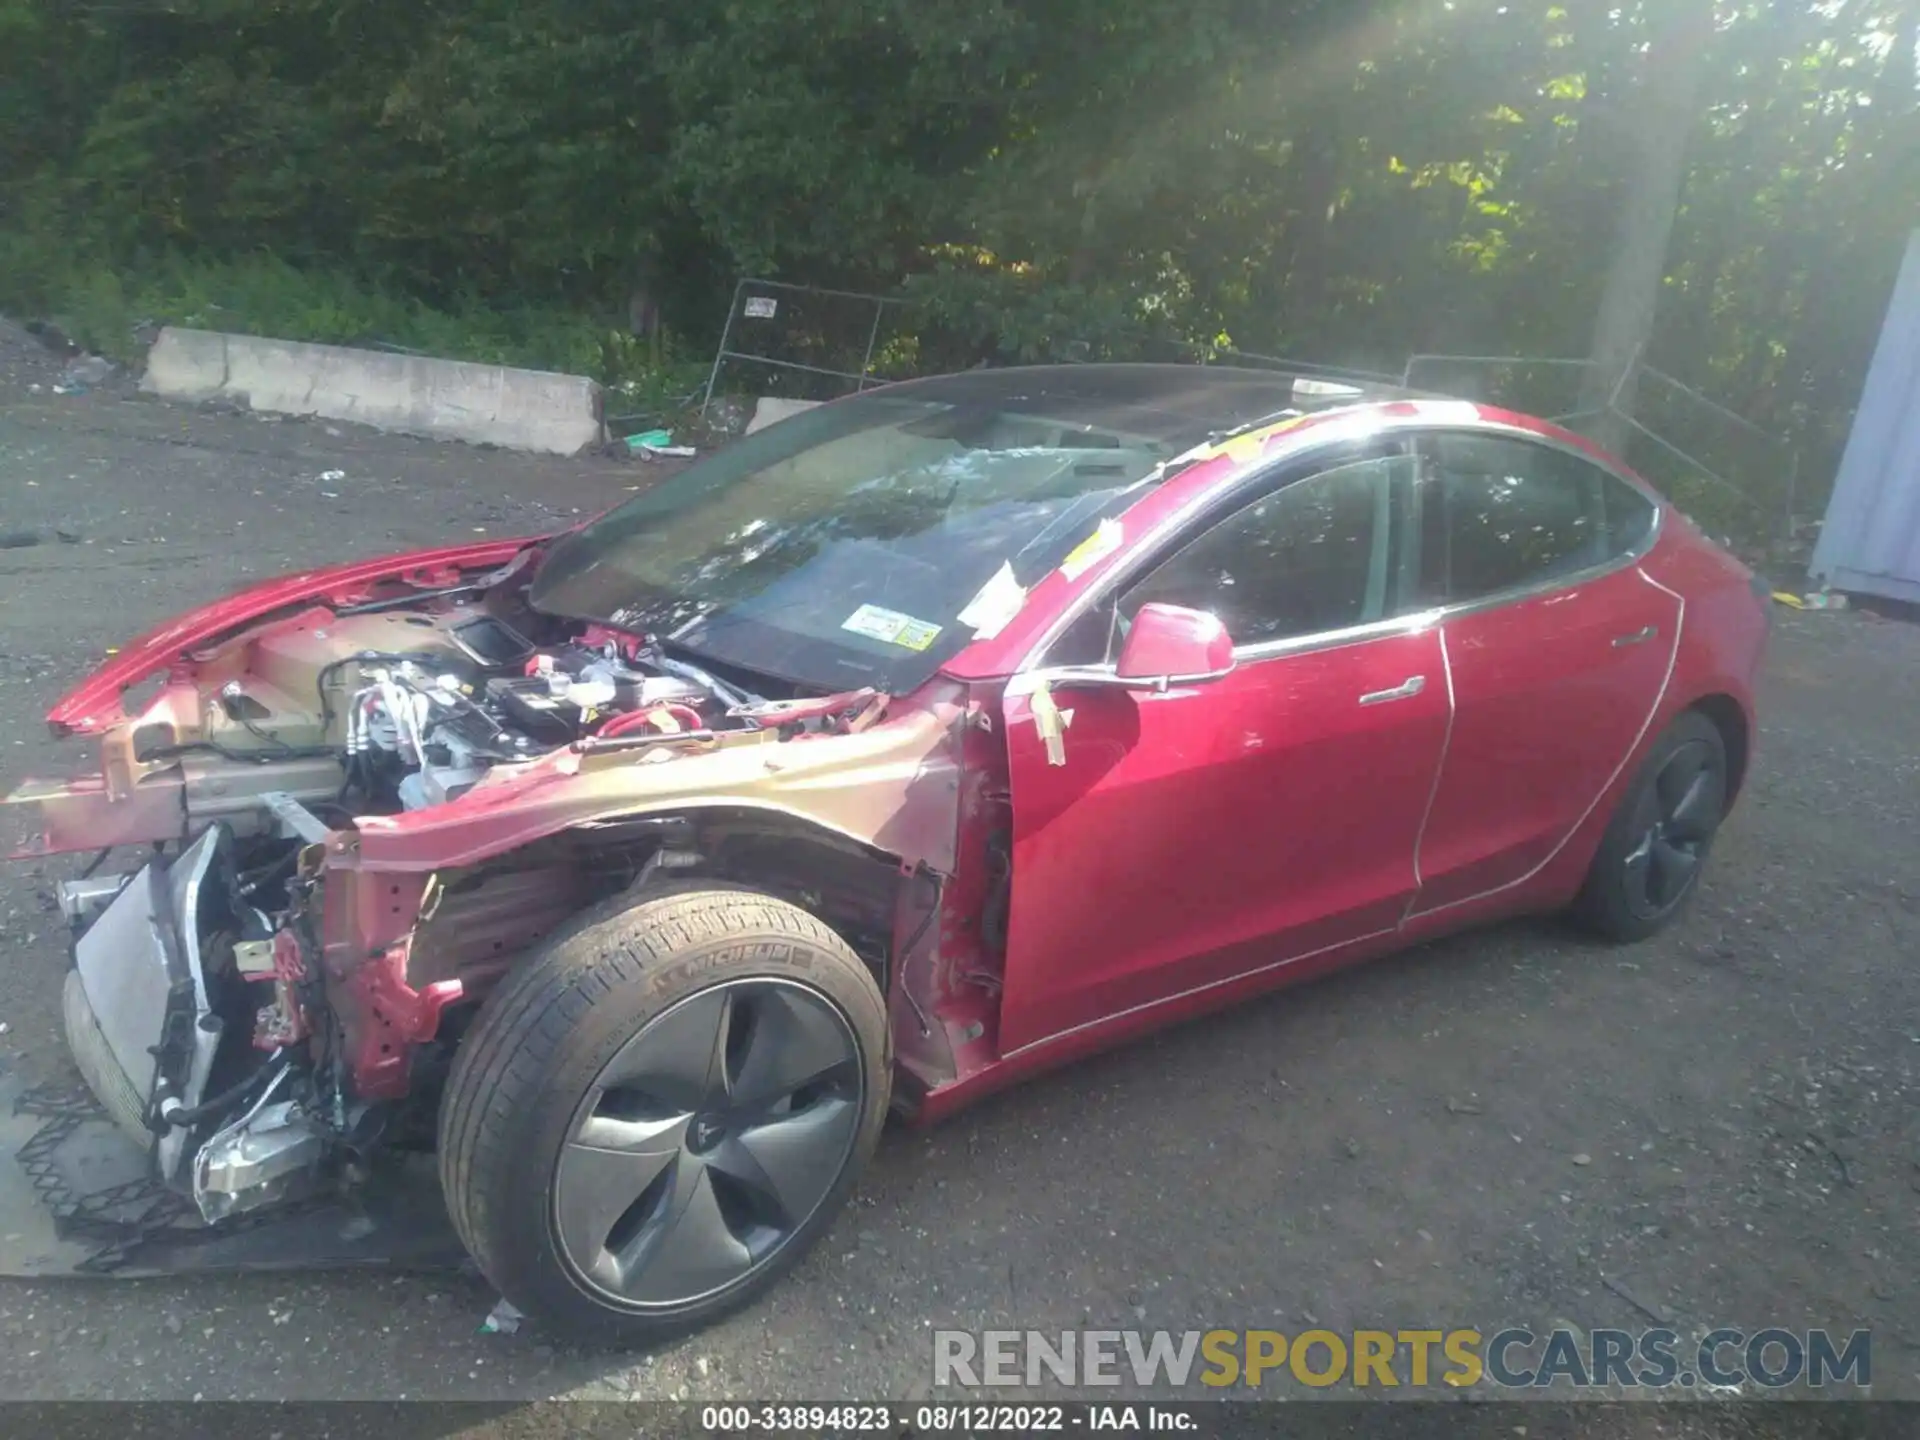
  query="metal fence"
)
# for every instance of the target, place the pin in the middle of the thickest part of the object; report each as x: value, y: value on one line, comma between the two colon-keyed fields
x: 1739, y: 481
x: 807, y: 342
x: 800, y: 341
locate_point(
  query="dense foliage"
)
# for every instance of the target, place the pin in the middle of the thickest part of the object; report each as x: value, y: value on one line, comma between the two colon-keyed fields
x: 1346, y: 180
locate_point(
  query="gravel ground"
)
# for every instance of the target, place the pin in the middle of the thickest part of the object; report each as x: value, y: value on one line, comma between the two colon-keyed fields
x: 1510, y: 1127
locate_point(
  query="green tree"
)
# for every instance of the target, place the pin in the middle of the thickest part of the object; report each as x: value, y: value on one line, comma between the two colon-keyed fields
x: 1723, y: 184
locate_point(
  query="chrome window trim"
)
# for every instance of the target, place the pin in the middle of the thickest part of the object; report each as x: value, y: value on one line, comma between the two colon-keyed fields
x: 1570, y: 581
x: 1396, y: 626
x: 1025, y: 682
x: 1360, y: 428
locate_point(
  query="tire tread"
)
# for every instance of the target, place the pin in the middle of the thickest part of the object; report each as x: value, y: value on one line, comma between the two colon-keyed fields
x: 506, y: 1058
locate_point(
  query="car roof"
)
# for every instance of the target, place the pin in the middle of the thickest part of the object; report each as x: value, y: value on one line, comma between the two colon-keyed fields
x: 1226, y: 410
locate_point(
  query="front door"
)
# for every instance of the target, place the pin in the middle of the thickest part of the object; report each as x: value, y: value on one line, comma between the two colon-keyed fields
x: 1198, y: 835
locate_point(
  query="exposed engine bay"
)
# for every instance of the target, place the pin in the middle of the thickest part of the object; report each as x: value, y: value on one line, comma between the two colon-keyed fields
x: 204, y: 1009
x: 405, y: 708
x: 424, y: 727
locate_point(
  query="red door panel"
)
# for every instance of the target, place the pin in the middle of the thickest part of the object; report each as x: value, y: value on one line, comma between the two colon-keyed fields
x: 1196, y: 835
x: 1551, y: 695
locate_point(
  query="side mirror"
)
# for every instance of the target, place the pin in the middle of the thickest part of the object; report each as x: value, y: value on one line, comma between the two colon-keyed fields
x: 1171, y: 645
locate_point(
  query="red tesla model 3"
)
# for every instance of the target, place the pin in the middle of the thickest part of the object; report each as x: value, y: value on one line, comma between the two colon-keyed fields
x: 912, y: 745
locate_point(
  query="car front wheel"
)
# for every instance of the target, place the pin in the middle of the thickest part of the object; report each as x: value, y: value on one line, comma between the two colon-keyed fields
x: 660, y: 1111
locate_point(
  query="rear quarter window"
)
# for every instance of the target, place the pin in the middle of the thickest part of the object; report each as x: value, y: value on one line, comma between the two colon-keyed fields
x: 1501, y: 513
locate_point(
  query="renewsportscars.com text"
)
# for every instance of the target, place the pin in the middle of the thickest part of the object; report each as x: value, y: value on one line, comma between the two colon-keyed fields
x: 1511, y: 1359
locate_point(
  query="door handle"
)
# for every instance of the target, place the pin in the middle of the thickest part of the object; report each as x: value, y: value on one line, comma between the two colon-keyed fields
x: 1414, y: 685
x: 1639, y: 637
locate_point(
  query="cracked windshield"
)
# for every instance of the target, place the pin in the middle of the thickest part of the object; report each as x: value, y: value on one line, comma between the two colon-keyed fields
x: 860, y: 544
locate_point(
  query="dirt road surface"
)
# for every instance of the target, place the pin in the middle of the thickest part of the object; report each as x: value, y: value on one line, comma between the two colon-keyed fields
x: 1512, y: 1127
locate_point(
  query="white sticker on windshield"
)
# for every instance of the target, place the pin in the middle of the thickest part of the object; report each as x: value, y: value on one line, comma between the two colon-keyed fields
x: 997, y: 603
x: 1092, y: 550
x: 890, y: 626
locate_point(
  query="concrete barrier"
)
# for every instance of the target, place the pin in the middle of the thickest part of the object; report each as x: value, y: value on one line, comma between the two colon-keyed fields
x: 411, y: 394
x: 771, y: 408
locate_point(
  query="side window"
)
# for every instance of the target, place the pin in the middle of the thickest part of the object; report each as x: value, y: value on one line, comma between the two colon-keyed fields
x: 1315, y: 555
x: 1629, y: 515
x: 1496, y: 514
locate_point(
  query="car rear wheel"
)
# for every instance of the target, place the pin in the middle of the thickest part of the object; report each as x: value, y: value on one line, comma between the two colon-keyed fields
x: 1650, y: 859
x: 657, y: 1114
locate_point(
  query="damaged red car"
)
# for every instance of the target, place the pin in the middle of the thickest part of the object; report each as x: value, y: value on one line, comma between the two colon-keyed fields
x: 913, y: 745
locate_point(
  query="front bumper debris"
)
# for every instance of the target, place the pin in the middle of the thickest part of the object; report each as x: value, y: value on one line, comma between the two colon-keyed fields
x: 78, y: 1198
x: 88, y: 1192
x: 139, y: 1021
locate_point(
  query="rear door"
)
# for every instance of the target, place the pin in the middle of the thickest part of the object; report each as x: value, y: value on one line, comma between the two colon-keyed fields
x: 1195, y: 836
x: 1558, y: 650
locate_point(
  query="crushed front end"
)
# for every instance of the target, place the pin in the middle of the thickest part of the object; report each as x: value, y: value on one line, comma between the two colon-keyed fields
x: 199, y: 1008
x: 187, y: 1009
x: 330, y: 824
x: 221, y: 1130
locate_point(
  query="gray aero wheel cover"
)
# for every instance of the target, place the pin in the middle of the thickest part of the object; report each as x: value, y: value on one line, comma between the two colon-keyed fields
x: 707, y: 1142
x: 1674, y: 825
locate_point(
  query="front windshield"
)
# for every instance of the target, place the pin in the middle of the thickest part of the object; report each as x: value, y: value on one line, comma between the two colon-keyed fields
x: 865, y: 542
